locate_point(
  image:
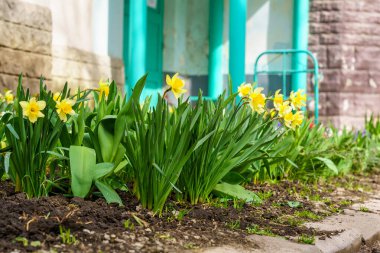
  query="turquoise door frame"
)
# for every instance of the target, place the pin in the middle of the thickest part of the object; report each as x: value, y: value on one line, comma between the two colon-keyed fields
x: 143, y: 36
x: 154, y: 51
x: 238, y: 15
x: 300, y: 42
x: 215, y: 58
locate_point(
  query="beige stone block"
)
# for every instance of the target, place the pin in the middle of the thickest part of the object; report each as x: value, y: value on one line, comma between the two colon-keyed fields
x: 341, y: 57
x: 31, y: 64
x: 85, y: 71
x: 75, y: 54
x: 11, y: 82
x: 26, y: 13
x: 25, y: 38
x: 57, y: 84
x: 341, y: 122
x: 352, y: 104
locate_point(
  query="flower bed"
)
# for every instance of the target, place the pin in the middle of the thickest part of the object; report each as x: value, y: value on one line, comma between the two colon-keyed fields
x: 97, y: 143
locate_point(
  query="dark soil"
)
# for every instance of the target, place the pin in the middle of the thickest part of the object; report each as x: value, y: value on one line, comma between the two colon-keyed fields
x: 32, y: 224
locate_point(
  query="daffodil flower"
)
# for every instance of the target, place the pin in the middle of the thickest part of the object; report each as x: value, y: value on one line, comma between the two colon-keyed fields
x: 297, y: 119
x: 278, y: 99
x: 297, y: 99
x: 64, y: 108
x: 293, y: 120
x: 244, y: 89
x: 284, y: 109
x: 57, y: 96
x: 9, y: 96
x: 32, y: 109
x: 257, y: 100
x: 288, y: 119
x: 176, y: 85
x: 104, y: 89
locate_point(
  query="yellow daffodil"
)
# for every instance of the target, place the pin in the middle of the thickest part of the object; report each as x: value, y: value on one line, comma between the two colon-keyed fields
x: 257, y: 100
x: 176, y: 84
x: 288, y: 118
x: 297, y: 99
x: 283, y: 109
x: 293, y: 120
x: 244, y: 89
x: 271, y: 113
x: 278, y: 99
x: 57, y: 96
x: 104, y: 89
x: 297, y: 119
x: 64, y: 108
x: 9, y: 96
x: 3, y: 144
x: 32, y: 109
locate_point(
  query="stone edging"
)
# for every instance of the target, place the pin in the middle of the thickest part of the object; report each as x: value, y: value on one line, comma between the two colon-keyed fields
x: 358, y: 226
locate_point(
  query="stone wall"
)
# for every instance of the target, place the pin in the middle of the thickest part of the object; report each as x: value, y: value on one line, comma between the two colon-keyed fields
x: 26, y: 47
x: 345, y: 35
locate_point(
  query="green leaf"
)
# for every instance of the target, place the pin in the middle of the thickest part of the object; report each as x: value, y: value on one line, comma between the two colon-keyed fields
x: 60, y: 156
x: 106, y: 139
x: 82, y: 162
x: 291, y: 163
x: 294, y: 204
x: 236, y: 191
x: 7, y: 162
x: 12, y: 130
x: 233, y: 178
x: 109, y: 194
x: 329, y: 164
x: 121, y: 165
x: 101, y: 169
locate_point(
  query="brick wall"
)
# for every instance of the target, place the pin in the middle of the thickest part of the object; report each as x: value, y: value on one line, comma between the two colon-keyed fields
x: 26, y: 46
x: 345, y: 35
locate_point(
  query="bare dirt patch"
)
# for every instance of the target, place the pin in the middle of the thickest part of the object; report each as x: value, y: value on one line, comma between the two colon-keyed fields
x: 33, y: 224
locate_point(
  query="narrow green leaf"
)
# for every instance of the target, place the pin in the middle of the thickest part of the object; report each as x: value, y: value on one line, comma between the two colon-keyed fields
x: 101, y: 169
x: 109, y: 194
x: 236, y: 191
x: 12, y: 130
x: 329, y: 164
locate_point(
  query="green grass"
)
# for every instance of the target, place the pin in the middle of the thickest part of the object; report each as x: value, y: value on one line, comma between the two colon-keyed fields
x: 345, y: 202
x: 255, y: 229
x: 265, y: 195
x: 66, y: 236
x: 306, y: 239
x: 128, y: 225
x: 308, y: 215
x: 234, y: 224
x: 290, y: 220
x: 364, y: 209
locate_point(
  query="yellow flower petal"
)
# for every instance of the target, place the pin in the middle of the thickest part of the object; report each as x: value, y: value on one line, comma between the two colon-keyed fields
x: 41, y: 104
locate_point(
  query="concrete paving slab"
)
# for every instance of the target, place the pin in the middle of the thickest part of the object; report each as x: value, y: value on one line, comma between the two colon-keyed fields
x: 356, y: 225
x: 373, y: 205
x: 267, y: 244
x: 368, y: 224
x: 346, y: 242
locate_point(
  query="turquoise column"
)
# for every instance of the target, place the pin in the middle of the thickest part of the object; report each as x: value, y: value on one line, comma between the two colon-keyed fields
x: 300, y: 42
x: 215, y: 75
x: 238, y: 14
x: 137, y: 42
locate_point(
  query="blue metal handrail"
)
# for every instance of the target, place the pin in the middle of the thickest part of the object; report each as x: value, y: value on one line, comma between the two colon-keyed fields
x: 285, y: 71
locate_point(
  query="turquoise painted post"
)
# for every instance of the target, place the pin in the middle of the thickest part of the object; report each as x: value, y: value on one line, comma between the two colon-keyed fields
x: 137, y: 42
x: 238, y: 13
x: 300, y: 42
x: 215, y: 58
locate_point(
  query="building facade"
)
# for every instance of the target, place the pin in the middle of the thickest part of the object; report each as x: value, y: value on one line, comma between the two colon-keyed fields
x: 204, y: 40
